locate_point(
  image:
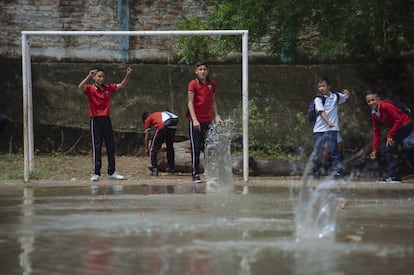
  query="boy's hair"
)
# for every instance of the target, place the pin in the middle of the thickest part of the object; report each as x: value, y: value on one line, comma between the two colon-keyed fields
x: 144, y: 116
x: 200, y: 63
x: 98, y: 70
x: 324, y: 78
x: 371, y: 93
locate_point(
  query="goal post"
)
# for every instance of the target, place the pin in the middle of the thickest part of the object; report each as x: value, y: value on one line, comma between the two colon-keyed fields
x: 28, y: 135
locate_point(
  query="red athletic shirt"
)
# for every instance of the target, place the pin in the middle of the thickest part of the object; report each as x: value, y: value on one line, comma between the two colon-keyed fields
x: 154, y: 119
x: 203, y: 98
x: 389, y: 115
x: 99, y: 99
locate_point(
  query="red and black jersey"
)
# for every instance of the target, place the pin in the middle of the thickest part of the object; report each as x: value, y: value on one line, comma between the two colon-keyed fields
x: 160, y: 120
x: 99, y: 99
x: 389, y: 115
x: 154, y: 119
x: 203, y: 98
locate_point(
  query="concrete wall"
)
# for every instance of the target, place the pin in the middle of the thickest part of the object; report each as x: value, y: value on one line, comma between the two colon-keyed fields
x: 279, y: 96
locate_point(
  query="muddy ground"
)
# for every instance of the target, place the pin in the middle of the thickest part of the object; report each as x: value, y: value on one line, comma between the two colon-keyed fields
x: 135, y: 169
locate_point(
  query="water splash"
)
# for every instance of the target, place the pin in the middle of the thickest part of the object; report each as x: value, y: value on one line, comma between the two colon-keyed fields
x: 315, y: 209
x: 315, y: 212
x: 218, y: 161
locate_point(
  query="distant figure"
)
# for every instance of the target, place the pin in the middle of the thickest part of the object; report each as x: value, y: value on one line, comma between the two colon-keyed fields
x: 3, y: 122
x: 383, y: 112
x: 165, y: 124
x: 202, y: 108
x: 99, y: 95
x: 326, y: 128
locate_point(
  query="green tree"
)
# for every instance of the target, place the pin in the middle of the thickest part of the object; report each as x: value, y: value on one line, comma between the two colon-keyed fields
x: 301, y: 31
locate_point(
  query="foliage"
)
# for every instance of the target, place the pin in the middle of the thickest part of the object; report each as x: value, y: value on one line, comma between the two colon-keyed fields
x: 262, y: 139
x: 192, y: 48
x: 306, y: 30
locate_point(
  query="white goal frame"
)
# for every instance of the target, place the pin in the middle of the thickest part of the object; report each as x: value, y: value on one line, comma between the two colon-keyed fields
x: 28, y: 136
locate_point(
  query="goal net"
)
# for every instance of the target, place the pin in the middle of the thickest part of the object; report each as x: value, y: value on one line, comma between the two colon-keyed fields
x: 28, y: 135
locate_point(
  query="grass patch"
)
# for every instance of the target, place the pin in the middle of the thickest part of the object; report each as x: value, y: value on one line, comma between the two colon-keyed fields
x: 11, y: 166
x: 53, y: 167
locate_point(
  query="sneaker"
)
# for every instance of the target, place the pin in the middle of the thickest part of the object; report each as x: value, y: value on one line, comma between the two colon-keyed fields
x: 95, y: 177
x: 154, y: 172
x: 338, y: 176
x: 170, y: 170
x: 115, y: 176
x: 390, y: 180
x: 315, y: 175
x: 196, y: 179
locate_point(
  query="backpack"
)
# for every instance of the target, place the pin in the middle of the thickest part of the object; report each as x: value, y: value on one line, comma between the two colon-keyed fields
x: 312, y: 114
x: 402, y: 106
x: 170, y: 120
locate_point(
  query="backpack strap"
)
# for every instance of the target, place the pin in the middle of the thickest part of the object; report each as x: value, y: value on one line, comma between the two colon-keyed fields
x: 323, y: 98
x: 337, y: 97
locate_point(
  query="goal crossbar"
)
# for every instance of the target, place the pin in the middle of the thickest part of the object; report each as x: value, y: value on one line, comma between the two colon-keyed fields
x: 28, y: 136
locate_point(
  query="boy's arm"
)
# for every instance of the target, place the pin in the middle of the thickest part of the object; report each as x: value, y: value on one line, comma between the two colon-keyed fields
x: 346, y: 91
x: 325, y: 118
x: 82, y: 85
x: 146, y: 141
x: 345, y: 95
x: 320, y: 109
x: 124, y: 81
x: 376, y: 137
x: 215, y: 111
x: 190, y: 106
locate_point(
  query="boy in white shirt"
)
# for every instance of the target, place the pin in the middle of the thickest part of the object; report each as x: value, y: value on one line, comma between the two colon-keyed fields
x: 326, y: 128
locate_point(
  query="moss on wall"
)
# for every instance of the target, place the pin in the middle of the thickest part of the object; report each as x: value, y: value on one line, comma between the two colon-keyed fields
x: 278, y: 94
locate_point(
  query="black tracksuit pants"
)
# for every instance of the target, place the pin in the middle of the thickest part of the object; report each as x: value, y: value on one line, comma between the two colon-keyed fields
x: 166, y: 135
x: 101, y: 130
x: 392, y: 153
x: 197, y: 139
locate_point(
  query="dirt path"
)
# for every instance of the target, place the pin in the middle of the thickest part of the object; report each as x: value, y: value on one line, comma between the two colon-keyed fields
x: 76, y: 171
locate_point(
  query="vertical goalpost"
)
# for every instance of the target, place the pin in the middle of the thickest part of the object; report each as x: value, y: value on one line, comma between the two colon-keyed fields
x: 28, y: 136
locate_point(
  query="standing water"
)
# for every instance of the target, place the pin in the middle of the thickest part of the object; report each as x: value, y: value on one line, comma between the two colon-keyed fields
x: 315, y: 209
x: 218, y: 162
x: 157, y: 229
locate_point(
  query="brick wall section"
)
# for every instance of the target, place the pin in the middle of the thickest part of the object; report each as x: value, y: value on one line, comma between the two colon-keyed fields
x: 87, y: 15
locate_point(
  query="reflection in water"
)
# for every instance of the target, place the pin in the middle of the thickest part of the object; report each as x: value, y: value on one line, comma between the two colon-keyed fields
x: 142, y: 189
x: 70, y: 231
x: 108, y: 190
x: 27, y: 238
x: 98, y: 255
x: 199, y: 259
x: 317, y: 257
x: 218, y: 164
x: 245, y: 264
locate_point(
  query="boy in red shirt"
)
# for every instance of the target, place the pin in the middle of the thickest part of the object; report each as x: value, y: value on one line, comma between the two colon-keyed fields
x: 165, y: 124
x: 99, y: 95
x: 202, y: 108
x: 399, y: 123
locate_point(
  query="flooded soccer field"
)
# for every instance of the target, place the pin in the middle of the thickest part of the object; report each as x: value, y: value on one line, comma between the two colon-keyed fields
x: 171, y: 229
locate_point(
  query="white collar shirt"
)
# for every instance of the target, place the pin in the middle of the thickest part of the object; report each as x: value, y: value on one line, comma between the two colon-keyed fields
x: 331, y: 110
